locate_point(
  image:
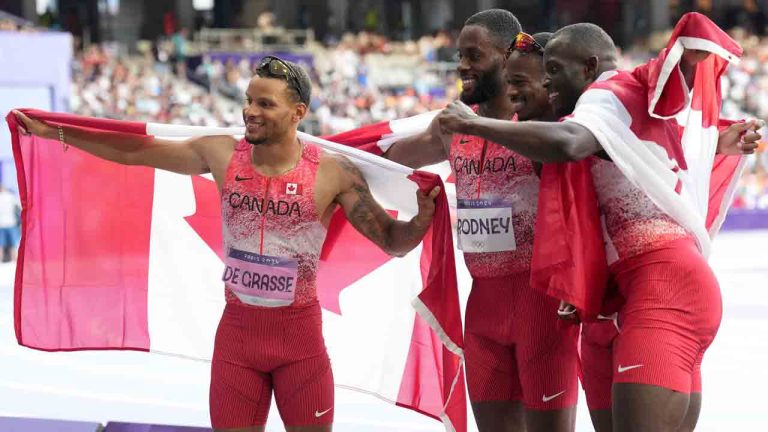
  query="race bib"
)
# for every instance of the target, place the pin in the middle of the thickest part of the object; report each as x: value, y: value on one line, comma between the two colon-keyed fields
x: 261, y: 280
x: 485, y: 226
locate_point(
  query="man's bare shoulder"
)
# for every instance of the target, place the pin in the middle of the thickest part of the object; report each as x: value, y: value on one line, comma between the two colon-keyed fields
x: 339, y: 172
x: 338, y: 163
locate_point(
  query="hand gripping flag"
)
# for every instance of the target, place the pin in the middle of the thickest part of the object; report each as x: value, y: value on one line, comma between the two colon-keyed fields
x: 663, y: 137
x: 119, y: 257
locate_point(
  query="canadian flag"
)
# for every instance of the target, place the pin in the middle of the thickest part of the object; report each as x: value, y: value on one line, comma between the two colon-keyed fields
x: 118, y: 257
x: 293, y: 188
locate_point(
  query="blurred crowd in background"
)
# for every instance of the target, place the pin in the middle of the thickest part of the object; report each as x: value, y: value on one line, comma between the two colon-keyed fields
x: 360, y: 79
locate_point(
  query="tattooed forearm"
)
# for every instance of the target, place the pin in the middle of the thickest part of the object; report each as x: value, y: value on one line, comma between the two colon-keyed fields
x: 370, y: 219
x: 365, y: 219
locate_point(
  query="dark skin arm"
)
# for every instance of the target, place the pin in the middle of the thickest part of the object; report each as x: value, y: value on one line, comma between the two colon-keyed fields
x: 394, y: 237
x: 417, y: 151
x: 539, y: 141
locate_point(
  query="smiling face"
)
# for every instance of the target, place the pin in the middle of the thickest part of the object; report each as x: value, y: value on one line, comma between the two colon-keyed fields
x: 566, y: 76
x: 525, y: 86
x: 270, y: 112
x: 481, y: 65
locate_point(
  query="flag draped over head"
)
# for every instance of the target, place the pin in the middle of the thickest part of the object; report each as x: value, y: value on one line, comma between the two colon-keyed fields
x: 127, y: 257
x: 663, y: 137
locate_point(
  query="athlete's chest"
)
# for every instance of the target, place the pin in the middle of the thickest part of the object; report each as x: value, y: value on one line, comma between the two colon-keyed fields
x: 473, y: 157
x: 282, y: 197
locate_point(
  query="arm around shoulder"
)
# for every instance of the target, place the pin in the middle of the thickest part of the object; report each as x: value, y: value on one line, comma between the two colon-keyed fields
x: 545, y: 142
x: 425, y: 148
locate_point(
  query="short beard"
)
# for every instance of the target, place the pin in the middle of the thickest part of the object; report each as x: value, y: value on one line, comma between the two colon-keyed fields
x: 487, y: 88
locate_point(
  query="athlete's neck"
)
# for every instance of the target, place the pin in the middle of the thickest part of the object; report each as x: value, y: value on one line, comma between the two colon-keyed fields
x: 548, y: 117
x: 276, y: 158
x: 499, y: 107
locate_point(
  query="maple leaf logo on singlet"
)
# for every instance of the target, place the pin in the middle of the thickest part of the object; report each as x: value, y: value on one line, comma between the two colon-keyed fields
x: 293, y: 188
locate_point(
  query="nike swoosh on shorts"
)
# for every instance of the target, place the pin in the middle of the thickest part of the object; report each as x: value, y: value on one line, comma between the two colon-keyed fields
x: 546, y: 398
x: 626, y: 368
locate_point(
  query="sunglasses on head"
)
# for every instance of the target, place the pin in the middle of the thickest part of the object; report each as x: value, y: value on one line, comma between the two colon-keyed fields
x: 525, y: 44
x: 277, y: 68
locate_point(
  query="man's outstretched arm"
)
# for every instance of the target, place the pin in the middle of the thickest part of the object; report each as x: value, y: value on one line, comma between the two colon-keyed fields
x: 539, y: 141
x: 394, y: 237
x: 183, y: 157
x: 426, y: 148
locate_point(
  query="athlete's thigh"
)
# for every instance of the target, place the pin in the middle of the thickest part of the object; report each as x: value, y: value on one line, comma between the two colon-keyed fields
x: 694, y: 406
x: 546, y: 350
x: 602, y: 419
x: 492, y: 373
x: 304, y: 392
x: 597, y: 370
x: 692, y: 415
x: 557, y: 420
x: 240, y: 395
x: 550, y: 384
x: 501, y: 416
x: 238, y: 398
x: 645, y: 408
x: 596, y: 349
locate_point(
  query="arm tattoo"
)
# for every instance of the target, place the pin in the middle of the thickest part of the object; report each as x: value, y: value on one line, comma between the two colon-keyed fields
x: 366, y: 215
x: 370, y: 219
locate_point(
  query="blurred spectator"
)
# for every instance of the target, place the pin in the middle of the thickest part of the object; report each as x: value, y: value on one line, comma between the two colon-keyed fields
x: 10, y: 22
x: 8, y: 25
x: 142, y: 89
x: 180, y: 50
x: 10, y: 210
x: 266, y: 21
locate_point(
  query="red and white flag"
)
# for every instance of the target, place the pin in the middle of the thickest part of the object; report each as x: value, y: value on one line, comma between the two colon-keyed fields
x: 663, y: 137
x: 118, y: 257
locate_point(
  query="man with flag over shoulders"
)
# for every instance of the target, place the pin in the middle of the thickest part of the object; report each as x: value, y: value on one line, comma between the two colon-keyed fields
x: 277, y: 197
x: 521, y: 361
x: 646, y: 142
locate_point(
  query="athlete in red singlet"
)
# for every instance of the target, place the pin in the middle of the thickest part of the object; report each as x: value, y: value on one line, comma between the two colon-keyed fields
x: 671, y: 307
x: 521, y: 361
x: 277, y: 197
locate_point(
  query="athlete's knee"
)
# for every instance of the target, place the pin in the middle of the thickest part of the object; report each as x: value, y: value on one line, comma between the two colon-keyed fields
x: 556, y: 420
x: 501, y: 416
x: 644, y: 407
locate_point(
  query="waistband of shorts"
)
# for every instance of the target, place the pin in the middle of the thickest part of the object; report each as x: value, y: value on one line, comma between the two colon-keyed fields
x: 291, y: 311
x: 519, y: 278
x: 678, y: 249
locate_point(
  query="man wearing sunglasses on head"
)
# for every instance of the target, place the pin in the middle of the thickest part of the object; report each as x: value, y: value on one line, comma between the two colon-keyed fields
x: 278, y: 195
x: 525, y: 77
x: 521, y: 362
